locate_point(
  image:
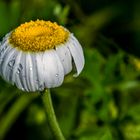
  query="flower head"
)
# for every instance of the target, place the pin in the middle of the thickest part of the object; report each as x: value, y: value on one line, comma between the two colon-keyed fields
x: 38, y: 54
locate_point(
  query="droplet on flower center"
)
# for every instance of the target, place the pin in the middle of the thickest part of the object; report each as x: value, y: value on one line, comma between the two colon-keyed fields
x: 38, y: 36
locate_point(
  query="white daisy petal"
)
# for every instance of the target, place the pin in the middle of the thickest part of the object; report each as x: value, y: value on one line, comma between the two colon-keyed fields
x: 29, y: 73
x: 21, y: 71
x: 4, y: 50
x: 65, y: 57
x: 34, y: 73
x: 77, y: 54
x: 8, y: 64
x: 4, y: 45
x: 40, y: 80
x: 4, y: 59
x: 17, y: 73
x: 53, y: 69
x: 16, y: 65
x: 76, y: 43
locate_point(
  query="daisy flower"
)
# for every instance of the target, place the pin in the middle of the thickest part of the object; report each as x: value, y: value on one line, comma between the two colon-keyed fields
x: 38, y: 54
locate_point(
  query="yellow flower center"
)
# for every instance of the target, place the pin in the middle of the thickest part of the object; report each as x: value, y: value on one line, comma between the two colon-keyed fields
x: 38, y: 36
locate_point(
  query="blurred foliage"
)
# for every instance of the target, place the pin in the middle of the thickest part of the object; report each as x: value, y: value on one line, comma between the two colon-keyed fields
x: 103, y: 103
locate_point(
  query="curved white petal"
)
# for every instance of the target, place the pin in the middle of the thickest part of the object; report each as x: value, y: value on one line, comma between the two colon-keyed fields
x: 29, y: 72
x: 3, y: 46
x: 34, y: 73
x: 53, y: 69
x: 65, y: 57
x: 17, y: 74
x: 4, y: 50
x: 77, y: 54
x: 40, y: 79
x: 8, y: 64
x: 4, y: 56
x: 21, y: 71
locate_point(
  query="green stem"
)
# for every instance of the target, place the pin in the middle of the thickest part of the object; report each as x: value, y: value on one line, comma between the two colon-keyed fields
x: 46, y: 97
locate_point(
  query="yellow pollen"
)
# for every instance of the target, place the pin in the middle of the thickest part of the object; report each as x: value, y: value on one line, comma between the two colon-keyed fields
x: 38, y: 36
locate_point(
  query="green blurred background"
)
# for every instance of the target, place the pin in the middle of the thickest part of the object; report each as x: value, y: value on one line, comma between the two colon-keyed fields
x: 103, y: 103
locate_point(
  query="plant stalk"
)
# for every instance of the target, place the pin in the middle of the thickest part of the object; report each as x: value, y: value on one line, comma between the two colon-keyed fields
x: 46, y: 98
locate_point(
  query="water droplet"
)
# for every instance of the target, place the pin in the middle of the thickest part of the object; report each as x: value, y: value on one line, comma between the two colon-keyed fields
x: 20, y: 66
x: 57, y: 75
x: 31, y: 68
x: 22, y: 89
x: 11, y: 63
x: 40, y: 87
x: 19, y: 69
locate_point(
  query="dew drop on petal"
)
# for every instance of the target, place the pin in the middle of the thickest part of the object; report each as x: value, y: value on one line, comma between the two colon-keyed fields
x: 19, y: 69
x: 22, y: 89
x: 17, y: 72
x: 40, y: 86
x: 57, y: 75
x: 20, y: 66
x: 11, y: 63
